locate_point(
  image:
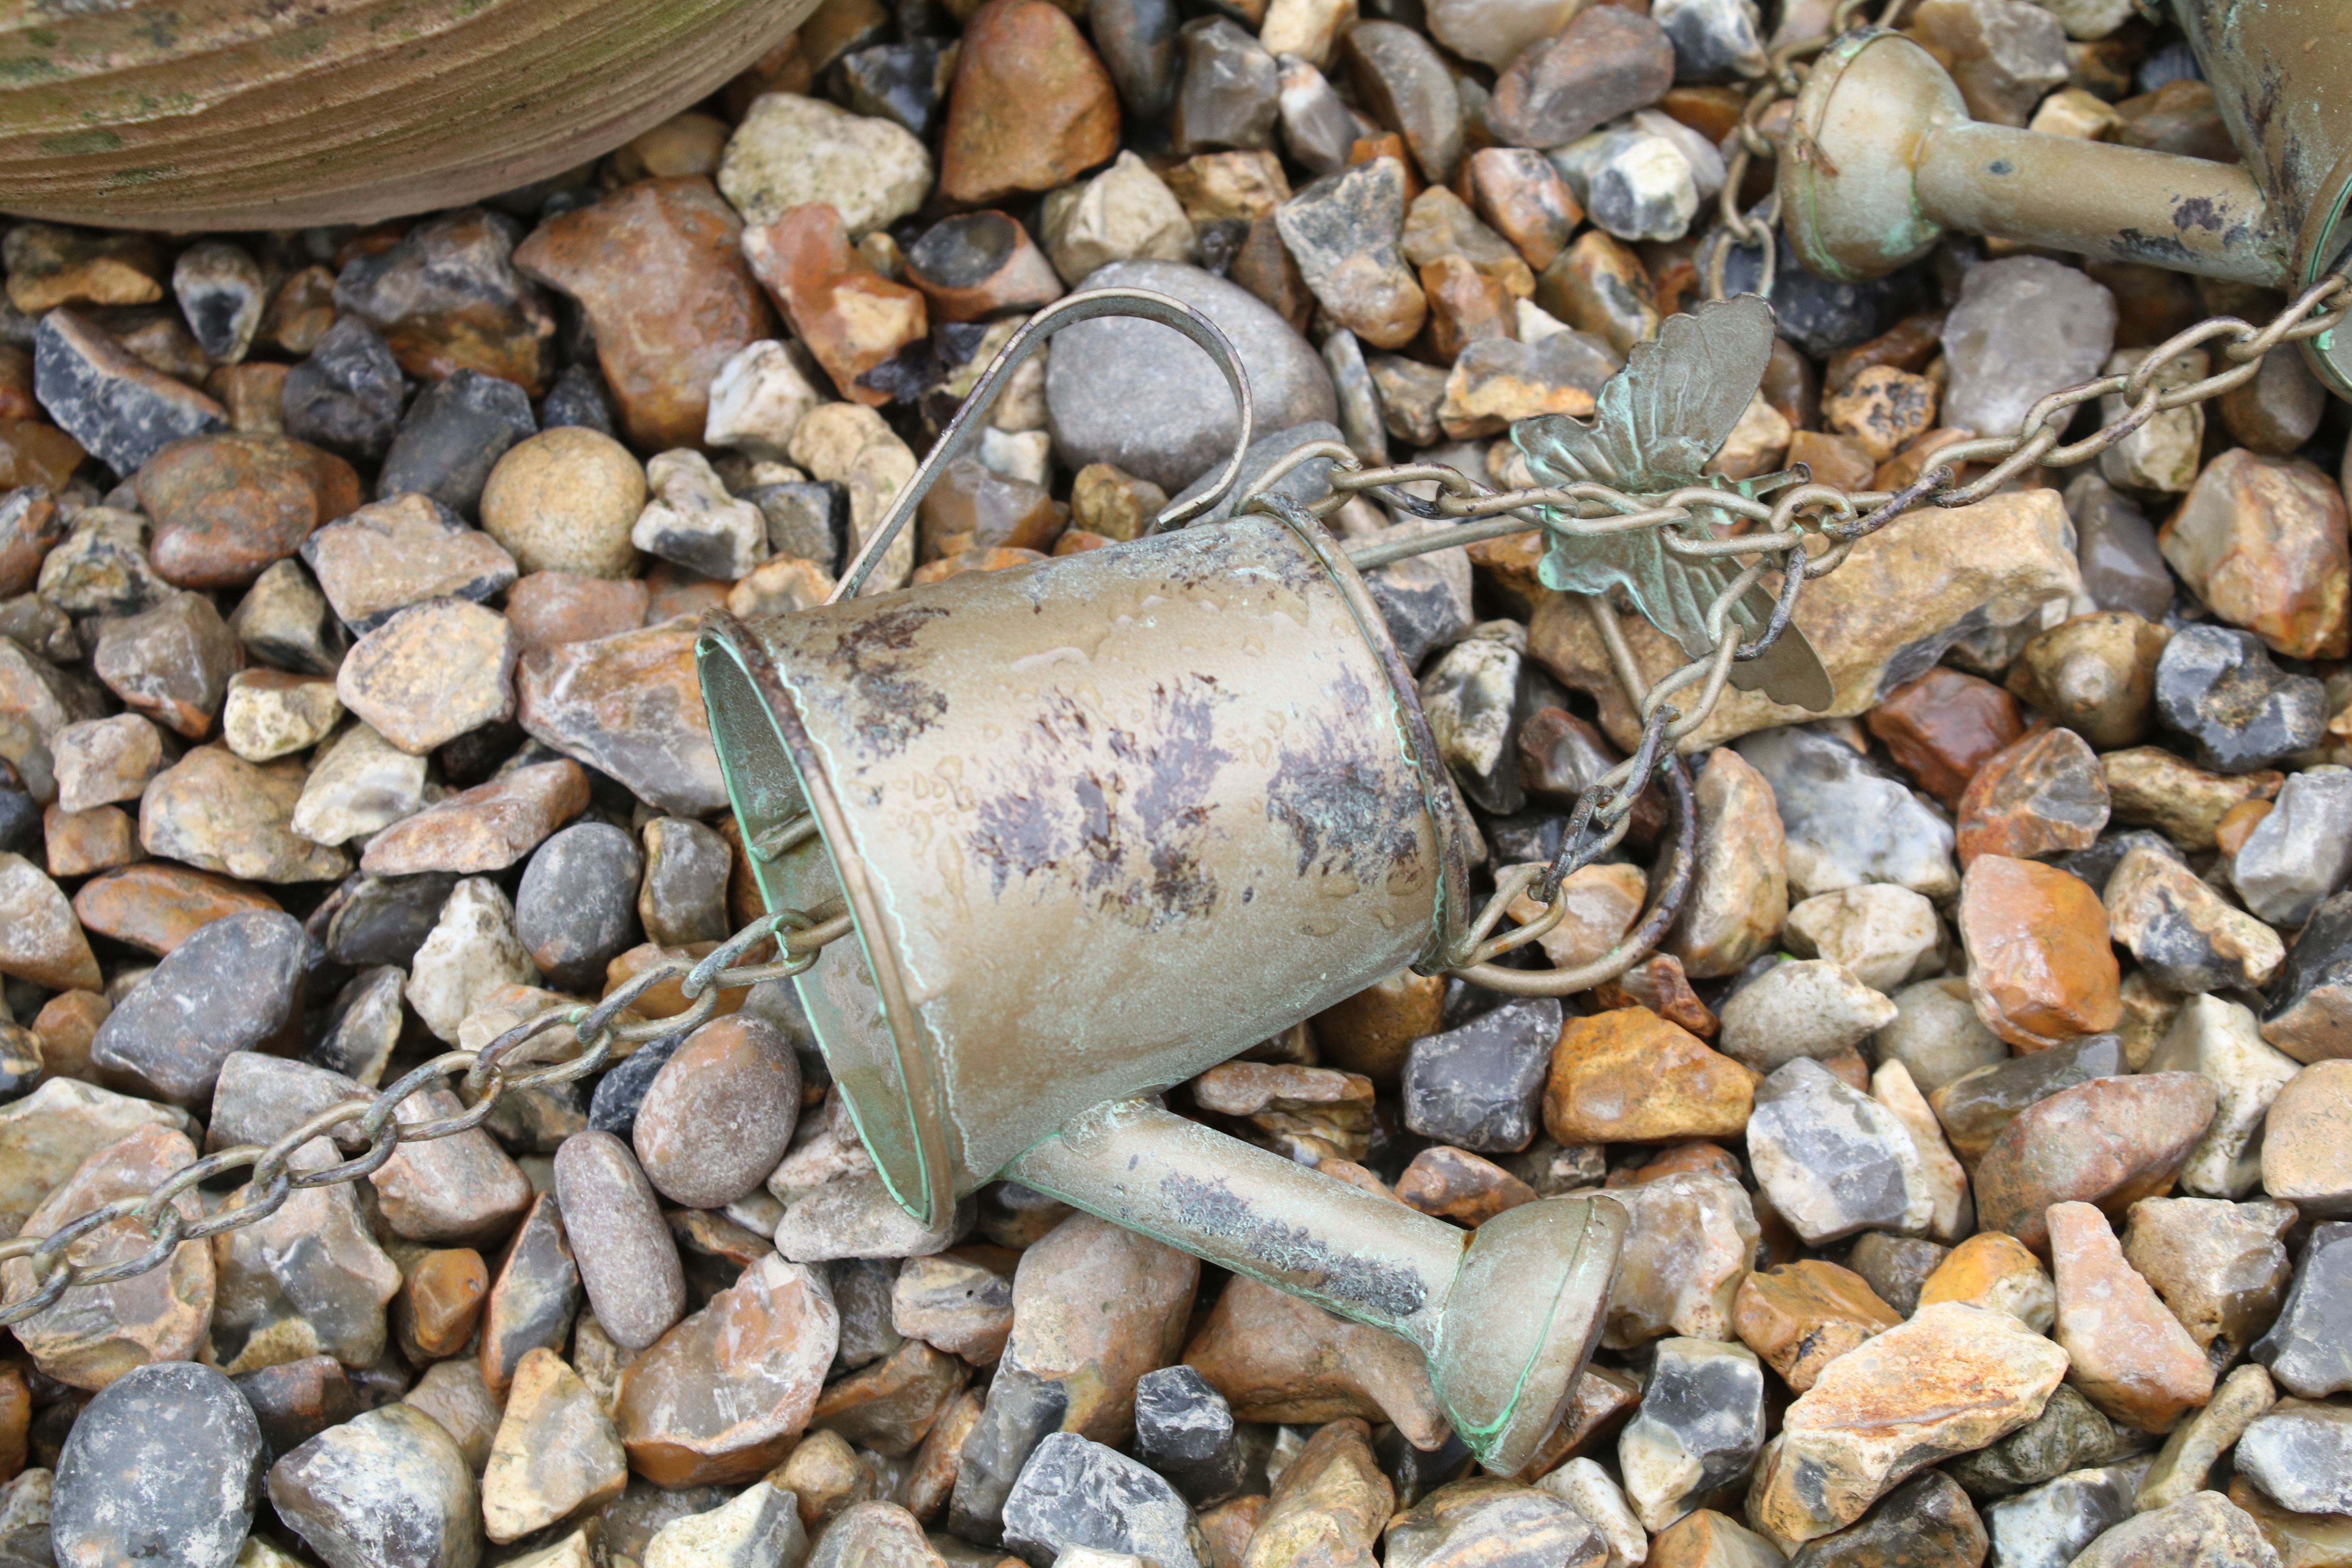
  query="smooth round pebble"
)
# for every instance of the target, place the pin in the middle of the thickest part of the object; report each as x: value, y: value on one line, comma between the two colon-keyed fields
x: 627, y: 1261
x: 720, y: 1113
x: 576, y: 910
x: 564, y: 501
x: 161, y: 1468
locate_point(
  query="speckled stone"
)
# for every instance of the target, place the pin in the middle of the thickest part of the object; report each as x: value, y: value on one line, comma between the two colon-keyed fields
x: 431, y: 673
x: 389, y: 1488
x: 163, y: 1467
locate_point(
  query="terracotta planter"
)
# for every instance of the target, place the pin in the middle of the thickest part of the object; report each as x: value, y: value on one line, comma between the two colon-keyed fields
x: 281, y: 113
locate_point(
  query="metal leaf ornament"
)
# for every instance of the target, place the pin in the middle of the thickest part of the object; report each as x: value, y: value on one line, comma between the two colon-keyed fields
x: 1660, y: 420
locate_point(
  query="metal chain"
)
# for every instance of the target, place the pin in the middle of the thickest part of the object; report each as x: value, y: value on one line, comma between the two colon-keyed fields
x: 1777, y: 536
x: 1779, y: 530
x: 488, y: 1074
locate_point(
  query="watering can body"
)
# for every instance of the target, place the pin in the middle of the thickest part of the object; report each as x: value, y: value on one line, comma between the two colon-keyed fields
x: 1102, y: 822
x: 1885, y: 159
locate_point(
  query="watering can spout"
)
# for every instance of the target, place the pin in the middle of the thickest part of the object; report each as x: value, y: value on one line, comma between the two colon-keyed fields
x: 1505, y: 1314
x: 1882, y: 159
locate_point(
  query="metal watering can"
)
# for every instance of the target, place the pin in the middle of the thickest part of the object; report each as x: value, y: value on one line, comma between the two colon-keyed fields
x: 1101, y: 823
x: 1881, y: 158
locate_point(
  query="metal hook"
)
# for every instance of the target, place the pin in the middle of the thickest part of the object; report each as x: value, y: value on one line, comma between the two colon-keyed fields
x: 965, y: 427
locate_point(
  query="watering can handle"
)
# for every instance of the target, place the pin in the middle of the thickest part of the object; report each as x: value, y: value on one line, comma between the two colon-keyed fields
x: 965, y: 427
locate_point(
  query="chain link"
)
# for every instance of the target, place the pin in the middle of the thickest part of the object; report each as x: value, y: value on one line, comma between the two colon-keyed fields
x: 487, y: 1075
x: 1778, y: 534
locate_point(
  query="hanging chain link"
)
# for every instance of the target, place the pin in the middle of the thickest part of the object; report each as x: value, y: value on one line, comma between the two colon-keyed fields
x: 485, y: 1075
x: 1789, y: 528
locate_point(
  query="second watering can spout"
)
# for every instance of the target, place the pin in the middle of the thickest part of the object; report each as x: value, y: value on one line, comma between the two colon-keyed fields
x: 1881, y: 158
x: 1100, y: 823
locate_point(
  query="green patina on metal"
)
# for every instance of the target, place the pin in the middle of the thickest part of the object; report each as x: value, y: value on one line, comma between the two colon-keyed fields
x: 1660, y: 421
x: 74, y: 143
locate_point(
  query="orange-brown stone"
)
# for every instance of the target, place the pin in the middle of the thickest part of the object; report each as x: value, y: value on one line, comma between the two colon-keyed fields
x: 64, y: 1025
x: 1031, y: 106
x: 1518, y: 191
x: 16, y: 400
x: 722, y: 1396
x: 79, y: 842
x: 851, y: 317
x: 2041, y: 971
x: 1711, y: 1158
x: 1602, y: 1401
x: 666, y: 998
x: 227, y: 506
x: 1710, y: 1540
x: 551, y: 608
x: 16, y: 1420
x: 1839, y: 460
x: 1659, y: 984
x: 1631, y: 1077
x: 33, y: 452
x: 2238, y: 824
x: 2130, y: 1355
x: 1453, y: 1183
x: 1372, y: 1032
x: 657, y: 269
x: 1997, y: 1270
x: 486, y: 828
x: 1464, y: 305
x: 2042, y: 794
x: 2308, y: 1141
x: 2111, y: 1141
x: 440, y: 1301
x: 1278, y: 1358
x: 1800, y: 1317
x: 2261, y: 540
x: 156, y: 905
x: 996, y: 560
x: 1942, y: 727
x: 1908, y: 345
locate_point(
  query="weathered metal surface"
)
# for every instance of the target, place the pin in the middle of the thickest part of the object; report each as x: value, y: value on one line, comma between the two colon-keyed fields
x: 1881, y: 158
x: 1846, y: 171
x: 2114, y: 204
x: 2282, y: 77
x: 1135, y: 808
x: 240, y: 114
x: 1507, y: 1315
x: 1885, y: 159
